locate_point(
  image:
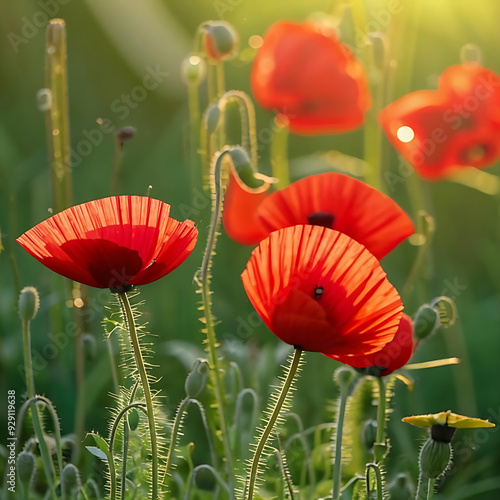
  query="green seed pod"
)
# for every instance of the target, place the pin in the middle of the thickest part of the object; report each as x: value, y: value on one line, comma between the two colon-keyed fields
x: 344, y: 376
x: 26, y: 467
x: 426, y: 322
x: 70, y: 480
x: 133, y: 419
x: 220, y: 40
x: 89, y: 346
x: 28, y: 303
x: 193, y: 70
x: 197, y: 378
x: 369, y: 434
x: 212, y: 118
x: 243, y: 166
x: 435, y: 456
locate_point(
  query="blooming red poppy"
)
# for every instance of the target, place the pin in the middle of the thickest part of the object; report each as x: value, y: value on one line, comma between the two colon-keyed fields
x: 240, y: 204
x: 112, y: 243
x: 342, y: 203
x: 305, y: 73
x: 392, y: 356
x: 318, y: 289
x: 458, y: 125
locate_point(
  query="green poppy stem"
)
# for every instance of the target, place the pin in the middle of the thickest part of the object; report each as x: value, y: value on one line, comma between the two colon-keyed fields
x: 279, y: 153
x: 430, y: 490
x: 141, y: 368
x: 379, y: 448
x: 337, y: 466
x: 292, y: 370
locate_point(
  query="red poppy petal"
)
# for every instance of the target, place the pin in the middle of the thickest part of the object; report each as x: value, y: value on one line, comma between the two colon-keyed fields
x: 392, y: 356
x: 363, y: 213
x: 102, y: 243
x: 319, y: 289
x: 240, y: 204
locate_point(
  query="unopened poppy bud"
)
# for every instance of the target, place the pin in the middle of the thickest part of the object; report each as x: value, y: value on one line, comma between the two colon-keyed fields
x: 470, y: 52
x: 220, y: 40
x: 25, y: 467
x: 369, y: 434
x: 89, y: 346
x: 133, y: 419
x: 447, y: 310
x: 197, y: 378
x: 28, y: 303
x: 344, y: 377
x: 193, y: 70
x: 426, y: 322
x: 243, y: 166
x: 125, y: 134
x: 434, y: 458
x: 212, y: 118
x: 70, y: 479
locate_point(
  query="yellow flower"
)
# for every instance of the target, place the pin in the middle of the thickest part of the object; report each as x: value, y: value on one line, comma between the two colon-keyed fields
x: 449, y: 419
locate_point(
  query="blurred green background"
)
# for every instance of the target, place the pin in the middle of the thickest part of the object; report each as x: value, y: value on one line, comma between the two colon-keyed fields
x: 111, y: 45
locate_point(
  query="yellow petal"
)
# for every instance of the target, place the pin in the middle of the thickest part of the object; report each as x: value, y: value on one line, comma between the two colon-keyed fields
x: 447, y: 418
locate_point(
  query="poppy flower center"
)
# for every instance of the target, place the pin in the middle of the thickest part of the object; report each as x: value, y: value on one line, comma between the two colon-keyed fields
x: 475, y: 153
x: 323, y: 219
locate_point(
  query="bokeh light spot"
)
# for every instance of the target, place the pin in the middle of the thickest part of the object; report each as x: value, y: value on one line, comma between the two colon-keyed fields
x: 405, y: 134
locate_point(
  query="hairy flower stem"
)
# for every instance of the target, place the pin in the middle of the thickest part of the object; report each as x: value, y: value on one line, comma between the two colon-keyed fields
x: 175, y: 431
x: 337, y: 466
x: 141, y: 368
x: 292, y: 370
x: 422, y: 488
x: 379, y: 447
x: 37, y: 426
x: 430, y: 489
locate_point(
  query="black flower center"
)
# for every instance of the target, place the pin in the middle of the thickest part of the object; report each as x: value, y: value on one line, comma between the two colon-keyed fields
x: 323, y: 219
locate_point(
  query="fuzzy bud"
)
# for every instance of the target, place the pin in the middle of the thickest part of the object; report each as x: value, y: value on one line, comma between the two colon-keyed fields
x: 193, y: 70
x: 220, y: 40
x: 197, y: 378
x: 28, y: 303
x: 71, y: 479
x: 447, y: 310
x: 344, y: 376
x: 243, y: 166
x: 434, y: 458
x: 26, y: 468
x: 426, y: 322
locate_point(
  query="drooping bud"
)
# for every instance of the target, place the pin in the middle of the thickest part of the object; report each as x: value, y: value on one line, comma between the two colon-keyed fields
x: 197, y: 378
x: 26, y: 467
x: 212, y: 118
x: 434, y: 458
x: 193, y: 70
x: 220, y: 40
x: 243, y: 166
x: 344, y: 376
x: 125, y: 134
x: 426, y: 322
x: 369, y: 434
x: 447, y: 310
x: 28, y: 303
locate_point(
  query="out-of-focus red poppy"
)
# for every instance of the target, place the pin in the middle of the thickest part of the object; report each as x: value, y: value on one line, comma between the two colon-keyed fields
x: 458, y: 125
x: 318, y: 289
x: 342, y: 203
x: 305, y: 73
x: 240, y: 205
x: 112, y: 243
x: 391, y: 357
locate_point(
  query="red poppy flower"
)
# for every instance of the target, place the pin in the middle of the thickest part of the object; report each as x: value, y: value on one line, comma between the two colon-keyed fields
x: 320, y: 290
x: 342, y: 203
x: 304, y: 72
x: 112, y: 243
x: 458, y: 125
x: 240, y: 204
x: 392, y: 356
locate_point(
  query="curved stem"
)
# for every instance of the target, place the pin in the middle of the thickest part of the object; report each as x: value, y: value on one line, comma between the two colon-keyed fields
x: 380, y: 445
x: 378, y: 477
x: 175, y: 431
x: 337, y: 466
x: 272, y: 422
x: 430, y: 490
x: 216, y: 475
x: 141, y: 368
